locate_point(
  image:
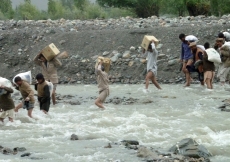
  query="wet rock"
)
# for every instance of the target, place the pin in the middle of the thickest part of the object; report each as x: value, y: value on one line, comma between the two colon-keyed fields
x: 75, y: 103
x: 7, y: 151
x: 130, y: 142
x: 26, y: 154
x: 190, y: 148
x: 144, y: 152
x: 108, y: 146
x: 74, y: 137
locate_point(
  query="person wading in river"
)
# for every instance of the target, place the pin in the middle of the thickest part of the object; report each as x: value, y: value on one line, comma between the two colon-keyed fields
x: 151, y: 65
x: 198, y: 59
x: 209, y: 68
x: 186, y: 58
x: 27, y: 95
x: 43, y: 93
x: 7, y: 104
x: 103, y: 84
x: 49, y: 70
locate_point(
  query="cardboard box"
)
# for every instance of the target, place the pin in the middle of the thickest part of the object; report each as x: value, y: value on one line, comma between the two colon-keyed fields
x: 106, y: 63
x: 146, y: 41
x: 50, y: 51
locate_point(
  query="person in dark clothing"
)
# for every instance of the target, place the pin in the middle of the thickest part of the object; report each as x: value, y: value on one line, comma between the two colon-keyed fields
x: 7, y: 104
x: 198, y: 59
x: 43, y: 93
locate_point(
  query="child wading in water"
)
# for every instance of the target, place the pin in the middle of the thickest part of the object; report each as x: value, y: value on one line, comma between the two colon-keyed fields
x: 151, y: 65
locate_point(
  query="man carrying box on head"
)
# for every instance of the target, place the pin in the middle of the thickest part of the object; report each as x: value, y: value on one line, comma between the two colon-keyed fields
x: 27, y: 95
x: 152, y: 54
x: 49, y: 70
x: 103, y: 84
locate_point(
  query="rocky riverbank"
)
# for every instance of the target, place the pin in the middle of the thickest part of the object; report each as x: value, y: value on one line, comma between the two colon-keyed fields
x: 187, y: 150
x: 118, y: 39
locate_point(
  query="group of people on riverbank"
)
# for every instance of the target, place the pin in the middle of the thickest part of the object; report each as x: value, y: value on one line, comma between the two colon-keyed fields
x: 194, y: 58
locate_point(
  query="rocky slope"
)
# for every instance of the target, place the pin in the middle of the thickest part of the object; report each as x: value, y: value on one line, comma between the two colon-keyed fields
x: 21, y: 40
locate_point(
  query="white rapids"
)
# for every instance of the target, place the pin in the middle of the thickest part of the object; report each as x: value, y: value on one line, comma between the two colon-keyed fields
x: 176, y: 113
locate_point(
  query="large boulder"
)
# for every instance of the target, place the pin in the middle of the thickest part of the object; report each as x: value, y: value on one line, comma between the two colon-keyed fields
x: 190, y: 148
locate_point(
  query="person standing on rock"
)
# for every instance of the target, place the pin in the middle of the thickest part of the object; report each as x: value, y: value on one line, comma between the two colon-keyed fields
x: 49, y: 70
x: 27, y: 95
x: 103, y: 84
x: 152, y: 54
x: 43, y: 93
x: 7, y: 104
x: 186, y: 58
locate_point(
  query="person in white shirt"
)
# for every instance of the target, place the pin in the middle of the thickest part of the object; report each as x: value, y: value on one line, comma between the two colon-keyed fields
x: 152, y: 54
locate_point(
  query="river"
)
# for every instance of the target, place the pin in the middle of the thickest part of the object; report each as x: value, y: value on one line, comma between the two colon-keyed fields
x: 176, y: 113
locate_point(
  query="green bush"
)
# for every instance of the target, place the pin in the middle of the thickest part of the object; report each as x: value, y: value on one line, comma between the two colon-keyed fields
x: 118, y: 12
x: 2, y: 16
x: 93, y: 12
x: 27, y: 11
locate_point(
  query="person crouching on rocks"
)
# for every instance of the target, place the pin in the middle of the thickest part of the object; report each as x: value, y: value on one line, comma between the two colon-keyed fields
x: 49, y: 70
x: 103, y: 84
x: 27, y: 95
x: 7, y: 104
x: 151, y: 65
x: 43, y: 93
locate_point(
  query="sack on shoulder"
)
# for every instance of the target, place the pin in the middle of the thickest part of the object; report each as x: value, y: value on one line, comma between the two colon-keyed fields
x: 213, y: 55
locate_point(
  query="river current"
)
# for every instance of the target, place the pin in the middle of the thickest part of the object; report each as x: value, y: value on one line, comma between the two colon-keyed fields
x: 176, y: 113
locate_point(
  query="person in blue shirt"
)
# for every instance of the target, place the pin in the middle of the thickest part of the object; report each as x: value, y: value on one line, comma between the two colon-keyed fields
x: 186, y: 58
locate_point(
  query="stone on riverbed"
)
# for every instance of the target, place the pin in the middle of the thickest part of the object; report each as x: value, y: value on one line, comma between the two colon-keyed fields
x: 74, y: 137
x: 130, y: 142
x: 190, y: 148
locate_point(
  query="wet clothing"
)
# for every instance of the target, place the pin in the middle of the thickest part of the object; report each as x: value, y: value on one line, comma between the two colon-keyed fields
x: 43, y: 95
x: 152, y: 60
x: 6, y: 101
x: 207, y: 65
x: 103, y: 83
x: 103, y: 95
x: 49, y: 69
x: 198, y: 55
x: 102, y: 80
x: 28, y: 105
x: 186, y: 53
x: 26, y: 91
x: 223, y: 72
x: 8, y: 113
